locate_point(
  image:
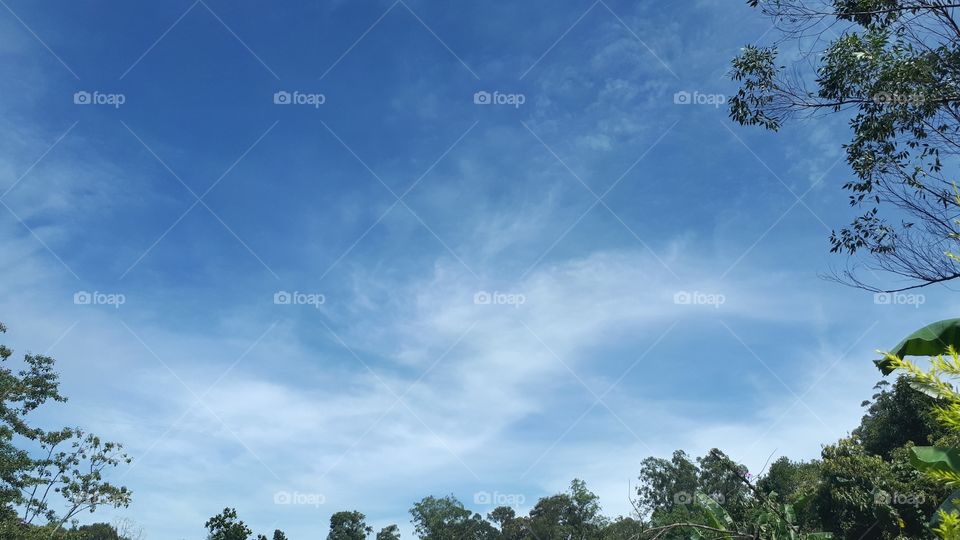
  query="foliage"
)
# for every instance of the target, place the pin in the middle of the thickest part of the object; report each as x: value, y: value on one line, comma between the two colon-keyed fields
x: 896, y: 417
x: 227, y: 526
x: 890, y: 67
x: 667, y: 487
x: 446, y: 518
x: 940, y: 463
x: 390, y: 532
x: 48, y: 477
x: 348, y: 526
x: 864, y: 494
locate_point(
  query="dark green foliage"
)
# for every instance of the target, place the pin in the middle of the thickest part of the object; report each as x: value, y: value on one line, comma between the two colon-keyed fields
x: 227, y: 526
x: 895, y: 417
x: 790, y: 479
x: 390, y: 532
x: 446, y: 519
x: 859, y: 492
x: 668, y: 488
x: 623, y: 528
x: 96, y: 531
x: 348, y: 526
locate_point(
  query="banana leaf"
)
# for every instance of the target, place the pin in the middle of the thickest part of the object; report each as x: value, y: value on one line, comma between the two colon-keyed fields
x: 931, y: 340
x: 935, y: 458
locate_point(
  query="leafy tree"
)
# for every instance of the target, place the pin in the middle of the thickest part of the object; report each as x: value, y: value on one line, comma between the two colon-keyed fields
x: 511, y: 526
x: 227, y: 526
x: 890, y: 67
x: 667, y: 489
x: 348, y: 526
x: 502, y: 516
x: 390, y: 532
x: 575, y: 514
x: 72, y: 463
x: 97, y: 531
x: 278, y: 535
x: 863, y: 494
x: 722, y: 479
x: 897, y: 416
x: 623, y: 528
x: 666, y: 484
x: 790, y: 478
x: 446, y: 519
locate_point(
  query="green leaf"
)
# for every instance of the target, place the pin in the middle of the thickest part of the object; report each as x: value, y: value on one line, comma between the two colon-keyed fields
x: 927, y: 388
x: 931, y: 340
x: 716, y: 515
x: 935, y: 458
x: 948, y: 505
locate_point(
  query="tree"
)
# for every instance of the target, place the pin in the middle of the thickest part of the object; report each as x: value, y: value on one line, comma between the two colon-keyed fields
x: 668, y: 487
x: 572, y: 515
x: 97, y: 531
x: 390, y: 532
x: 665, y: 484
x: 278, y: 535
x: 227, y: 526
x: 891, y: 67
x: 897, y: 416
x: 789, y: 479
x: 623, y: 528
x: 511, y: 526
x: 446, y: 518
x: 348, y: 526
x: 70, y: 464
x: 862, y: 495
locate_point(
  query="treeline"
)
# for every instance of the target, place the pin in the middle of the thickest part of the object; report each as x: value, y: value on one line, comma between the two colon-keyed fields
x: 863, y: 486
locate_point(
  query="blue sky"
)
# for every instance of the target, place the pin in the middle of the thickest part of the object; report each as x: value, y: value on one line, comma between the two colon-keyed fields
x: 588, y: 215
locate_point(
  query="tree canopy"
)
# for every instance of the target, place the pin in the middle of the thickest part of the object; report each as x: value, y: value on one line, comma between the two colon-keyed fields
x: 890, y: 68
